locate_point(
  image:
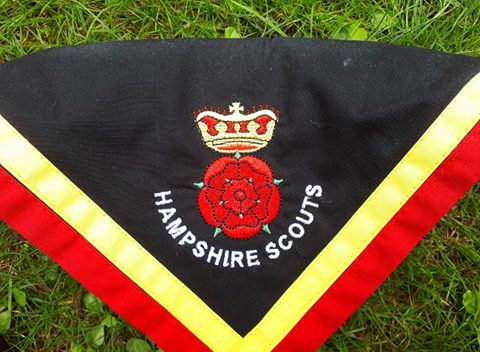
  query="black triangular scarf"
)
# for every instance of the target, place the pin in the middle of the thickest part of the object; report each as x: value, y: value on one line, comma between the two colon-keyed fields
x: 235, y: 195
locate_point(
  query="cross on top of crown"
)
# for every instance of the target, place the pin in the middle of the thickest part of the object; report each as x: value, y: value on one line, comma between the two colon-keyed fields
x: 236, y: 108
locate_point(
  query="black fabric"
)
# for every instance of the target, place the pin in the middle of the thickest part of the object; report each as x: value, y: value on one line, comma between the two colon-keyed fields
x: 116, y: 118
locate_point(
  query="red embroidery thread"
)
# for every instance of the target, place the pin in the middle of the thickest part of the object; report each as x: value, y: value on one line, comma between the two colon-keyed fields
x: 239, y: 196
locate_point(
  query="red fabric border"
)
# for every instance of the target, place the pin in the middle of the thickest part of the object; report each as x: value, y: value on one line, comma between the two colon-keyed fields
x: 47, y: 231
x: 452, y: 179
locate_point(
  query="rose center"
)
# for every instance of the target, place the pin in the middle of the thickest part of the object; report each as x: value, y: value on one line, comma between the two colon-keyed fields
x: 240, y: 195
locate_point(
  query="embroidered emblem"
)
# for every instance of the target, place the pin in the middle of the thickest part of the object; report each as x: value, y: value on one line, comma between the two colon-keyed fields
x: 239, y: 195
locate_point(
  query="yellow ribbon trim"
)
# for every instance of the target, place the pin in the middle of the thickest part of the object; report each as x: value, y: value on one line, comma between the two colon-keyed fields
x: 440, y: 139
x: 42, y: 178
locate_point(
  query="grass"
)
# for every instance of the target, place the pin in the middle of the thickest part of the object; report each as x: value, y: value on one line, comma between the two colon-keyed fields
x: 420, y: 306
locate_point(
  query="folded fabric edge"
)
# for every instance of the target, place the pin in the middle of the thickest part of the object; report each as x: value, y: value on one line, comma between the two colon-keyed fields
x: 45, y: 229
x: 439, y: 193
x: 41, y: 226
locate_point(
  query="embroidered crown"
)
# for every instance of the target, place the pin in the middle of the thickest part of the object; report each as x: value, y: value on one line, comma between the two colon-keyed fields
x: 237, y: 132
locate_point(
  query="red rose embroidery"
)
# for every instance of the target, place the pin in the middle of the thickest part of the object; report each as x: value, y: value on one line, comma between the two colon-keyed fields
x: 239, y: 196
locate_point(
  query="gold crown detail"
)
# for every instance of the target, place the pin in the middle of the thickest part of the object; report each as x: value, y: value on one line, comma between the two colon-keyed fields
x: 237, y: 132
